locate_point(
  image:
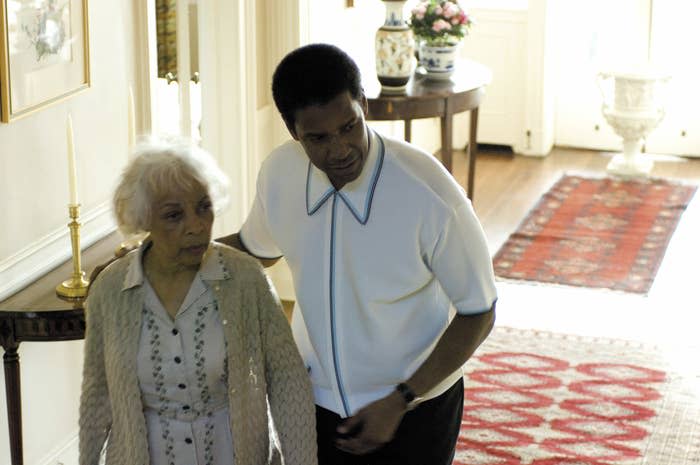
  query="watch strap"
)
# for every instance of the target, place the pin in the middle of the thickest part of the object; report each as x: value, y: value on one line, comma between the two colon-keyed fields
x: 407, y: 393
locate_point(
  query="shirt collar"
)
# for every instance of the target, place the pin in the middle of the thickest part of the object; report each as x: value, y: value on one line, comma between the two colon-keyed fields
x: 211, y: 269
x: 358, y: 194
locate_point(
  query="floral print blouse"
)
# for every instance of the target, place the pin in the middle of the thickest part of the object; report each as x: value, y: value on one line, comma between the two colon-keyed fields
x: 181, y: 368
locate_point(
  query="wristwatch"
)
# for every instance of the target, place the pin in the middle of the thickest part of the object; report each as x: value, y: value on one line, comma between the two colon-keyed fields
x: 408, y: 395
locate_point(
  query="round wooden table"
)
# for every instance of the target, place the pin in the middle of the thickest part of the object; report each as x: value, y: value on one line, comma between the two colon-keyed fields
x: 427, y: 98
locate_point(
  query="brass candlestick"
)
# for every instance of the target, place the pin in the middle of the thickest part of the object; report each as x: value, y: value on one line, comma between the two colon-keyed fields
x: 77, y: 285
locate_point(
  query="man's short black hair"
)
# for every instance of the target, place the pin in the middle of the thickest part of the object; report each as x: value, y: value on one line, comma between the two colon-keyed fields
x: 313, y: 75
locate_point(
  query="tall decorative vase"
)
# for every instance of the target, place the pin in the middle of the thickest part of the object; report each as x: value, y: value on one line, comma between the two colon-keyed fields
x: 394, y: 46
x: 438, y: 60
x: 633, y: 111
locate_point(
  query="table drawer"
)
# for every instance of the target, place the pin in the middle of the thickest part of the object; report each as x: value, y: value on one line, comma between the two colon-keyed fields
x: 396, y: 109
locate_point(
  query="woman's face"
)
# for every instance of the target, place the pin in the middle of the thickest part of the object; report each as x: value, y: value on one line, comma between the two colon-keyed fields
x: 181, y: 223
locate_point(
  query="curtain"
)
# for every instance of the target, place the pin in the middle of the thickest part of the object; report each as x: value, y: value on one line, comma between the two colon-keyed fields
x: 166, y: 30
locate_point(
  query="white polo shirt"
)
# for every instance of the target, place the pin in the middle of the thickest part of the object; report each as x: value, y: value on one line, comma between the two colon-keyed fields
x: 376, y: 266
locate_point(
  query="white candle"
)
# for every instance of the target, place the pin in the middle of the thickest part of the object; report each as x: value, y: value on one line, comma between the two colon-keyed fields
x: 72, y: 178
x: 131, y: 120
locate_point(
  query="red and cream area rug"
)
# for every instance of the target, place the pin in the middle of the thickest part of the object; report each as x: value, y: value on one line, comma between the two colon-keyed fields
x: 601, y: 233
x: 540, y: 398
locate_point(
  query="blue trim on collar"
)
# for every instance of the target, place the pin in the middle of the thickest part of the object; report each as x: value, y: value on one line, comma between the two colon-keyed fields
x: 311, y: 210
x: 361, y: 218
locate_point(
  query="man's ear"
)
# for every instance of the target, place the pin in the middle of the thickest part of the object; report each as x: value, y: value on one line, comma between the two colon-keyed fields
x: 292, y: 130
x: 365, y: 105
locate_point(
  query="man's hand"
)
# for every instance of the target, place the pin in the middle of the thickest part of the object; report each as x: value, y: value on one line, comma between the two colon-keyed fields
x: 119, y: 253
x: 371, y: 427
x: 234, y: 240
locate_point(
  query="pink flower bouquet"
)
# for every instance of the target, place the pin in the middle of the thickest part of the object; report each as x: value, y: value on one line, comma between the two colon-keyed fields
x: 440, y: 22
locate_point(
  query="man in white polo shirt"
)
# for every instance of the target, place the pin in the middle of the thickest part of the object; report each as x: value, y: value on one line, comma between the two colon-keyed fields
x: 384, y: 249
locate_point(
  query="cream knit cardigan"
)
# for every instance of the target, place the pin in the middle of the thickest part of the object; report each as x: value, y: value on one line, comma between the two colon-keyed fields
x: 263, y: 365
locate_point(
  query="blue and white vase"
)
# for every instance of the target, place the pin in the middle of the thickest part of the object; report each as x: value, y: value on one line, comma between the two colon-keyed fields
x: 438, y: 60
x: 394, y: 47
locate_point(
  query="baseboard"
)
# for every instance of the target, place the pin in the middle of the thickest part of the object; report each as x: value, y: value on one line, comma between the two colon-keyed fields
x: 40, y: 257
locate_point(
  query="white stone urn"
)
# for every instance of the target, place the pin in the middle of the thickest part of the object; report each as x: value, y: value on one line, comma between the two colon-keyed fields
x: 633, y: 109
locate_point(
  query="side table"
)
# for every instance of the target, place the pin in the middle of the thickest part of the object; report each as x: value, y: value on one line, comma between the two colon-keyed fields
x: 60, y: 321
x: 37, y: 314
x: 425, y: 98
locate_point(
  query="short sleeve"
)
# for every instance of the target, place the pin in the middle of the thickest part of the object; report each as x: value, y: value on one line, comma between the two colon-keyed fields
x: 255, y: 232
x: 462, y: 264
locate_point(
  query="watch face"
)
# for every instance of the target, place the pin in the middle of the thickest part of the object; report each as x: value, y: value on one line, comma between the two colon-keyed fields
x: 408, y: 395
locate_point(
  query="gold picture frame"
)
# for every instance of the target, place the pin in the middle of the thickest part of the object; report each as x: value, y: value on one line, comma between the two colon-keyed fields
x: 44, y: 54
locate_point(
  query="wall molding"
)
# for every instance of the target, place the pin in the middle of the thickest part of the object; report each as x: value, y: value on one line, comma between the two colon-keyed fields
x: 63, y: 455
x: 38, y: 258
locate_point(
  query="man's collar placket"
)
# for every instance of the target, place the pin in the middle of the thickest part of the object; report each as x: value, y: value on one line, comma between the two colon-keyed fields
x: 358, y: 194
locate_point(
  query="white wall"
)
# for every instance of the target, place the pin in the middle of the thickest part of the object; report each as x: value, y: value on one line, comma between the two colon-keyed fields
x: 33, y: 198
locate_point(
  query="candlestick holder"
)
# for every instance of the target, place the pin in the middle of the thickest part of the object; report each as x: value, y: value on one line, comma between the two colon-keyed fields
x: 77, y: 285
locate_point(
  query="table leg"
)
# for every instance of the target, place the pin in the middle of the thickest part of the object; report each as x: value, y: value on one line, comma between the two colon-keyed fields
x: 472, y: 150
x: 446, y: 141
x: 407, y: 130
x: 14, y: 402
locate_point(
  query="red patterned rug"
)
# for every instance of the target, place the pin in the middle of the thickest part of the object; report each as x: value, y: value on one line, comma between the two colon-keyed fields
x: 602, y: 233
x: 540, y: 398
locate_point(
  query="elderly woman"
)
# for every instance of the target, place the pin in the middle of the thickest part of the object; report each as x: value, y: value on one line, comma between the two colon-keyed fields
x: 186, y: 344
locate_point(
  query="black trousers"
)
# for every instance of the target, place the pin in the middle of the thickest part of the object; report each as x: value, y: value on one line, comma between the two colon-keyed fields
x: 427, y: 435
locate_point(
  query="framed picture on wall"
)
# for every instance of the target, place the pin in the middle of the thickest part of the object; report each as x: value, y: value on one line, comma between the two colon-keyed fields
x: 44, y: 54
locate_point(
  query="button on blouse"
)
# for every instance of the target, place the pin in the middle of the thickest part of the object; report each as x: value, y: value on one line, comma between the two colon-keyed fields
x: 183, y: 378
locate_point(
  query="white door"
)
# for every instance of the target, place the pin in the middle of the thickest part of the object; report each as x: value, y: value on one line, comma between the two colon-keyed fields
x: 600, y: 35
x: 674, y: 45
x: 211, y: 44
x: 174, y: 57
x: 589, y: 37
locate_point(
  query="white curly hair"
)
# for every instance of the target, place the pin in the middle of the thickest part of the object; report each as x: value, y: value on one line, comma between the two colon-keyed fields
x: 157, y: 166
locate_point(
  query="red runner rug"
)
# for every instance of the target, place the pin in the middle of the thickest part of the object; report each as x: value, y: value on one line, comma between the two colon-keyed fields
x: 540, y: 398
x: 602, y: 233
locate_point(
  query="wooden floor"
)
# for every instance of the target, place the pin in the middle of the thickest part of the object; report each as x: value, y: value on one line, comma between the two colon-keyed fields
x: 507, y: 187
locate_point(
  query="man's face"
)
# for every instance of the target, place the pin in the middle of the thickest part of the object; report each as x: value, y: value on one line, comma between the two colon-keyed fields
x: 334, y: 137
